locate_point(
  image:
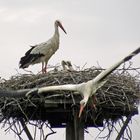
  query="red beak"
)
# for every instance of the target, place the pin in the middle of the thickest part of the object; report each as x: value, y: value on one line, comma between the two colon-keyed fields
x: 81, y: 110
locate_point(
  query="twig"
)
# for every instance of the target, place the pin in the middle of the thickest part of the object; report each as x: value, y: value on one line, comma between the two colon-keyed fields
x: 52, y: 132
x: 124, y: 127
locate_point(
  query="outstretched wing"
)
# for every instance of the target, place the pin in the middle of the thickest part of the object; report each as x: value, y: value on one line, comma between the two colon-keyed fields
x: 108, y: 71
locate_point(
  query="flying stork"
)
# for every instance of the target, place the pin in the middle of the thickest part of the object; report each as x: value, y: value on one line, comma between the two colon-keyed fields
x: 86, y: 89
x: 42, y: 52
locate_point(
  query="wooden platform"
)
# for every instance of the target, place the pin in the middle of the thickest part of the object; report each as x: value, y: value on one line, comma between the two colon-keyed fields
x: 59, y: 111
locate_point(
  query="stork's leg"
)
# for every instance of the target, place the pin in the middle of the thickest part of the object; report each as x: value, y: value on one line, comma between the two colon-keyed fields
x: 94, y: 102
x: 45, y: 68
x: 42, y: 67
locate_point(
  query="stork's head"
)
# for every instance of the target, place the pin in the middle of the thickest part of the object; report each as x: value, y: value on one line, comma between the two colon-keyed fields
x: 59, y: 24
x: 82, y: 105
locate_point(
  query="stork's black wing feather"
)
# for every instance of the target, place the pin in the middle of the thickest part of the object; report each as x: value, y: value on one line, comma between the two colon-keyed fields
x: 28, y: 52
x: 29, y: 58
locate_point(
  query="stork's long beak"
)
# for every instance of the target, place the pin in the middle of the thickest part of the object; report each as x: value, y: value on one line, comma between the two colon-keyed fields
x: 81, y: 110
x: 60, y: 25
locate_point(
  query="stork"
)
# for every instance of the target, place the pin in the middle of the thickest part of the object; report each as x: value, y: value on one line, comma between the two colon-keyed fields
x: 43, y: 51
x: 67, y: 66
x: 87, y: 89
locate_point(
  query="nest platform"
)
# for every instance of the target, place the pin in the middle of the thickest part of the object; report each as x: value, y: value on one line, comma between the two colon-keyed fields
x: 119, y: 97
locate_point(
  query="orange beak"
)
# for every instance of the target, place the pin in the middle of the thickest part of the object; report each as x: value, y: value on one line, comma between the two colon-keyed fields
x: 81, y: 110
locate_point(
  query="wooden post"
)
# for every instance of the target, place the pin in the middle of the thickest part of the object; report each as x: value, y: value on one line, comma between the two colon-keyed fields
x: 69, y: 131
x: 75, y: 127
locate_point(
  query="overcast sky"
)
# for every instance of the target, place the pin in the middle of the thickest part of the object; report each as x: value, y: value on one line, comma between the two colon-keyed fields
x: 100, y: 31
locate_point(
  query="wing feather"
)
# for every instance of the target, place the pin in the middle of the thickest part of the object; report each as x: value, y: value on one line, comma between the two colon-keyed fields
x: 30, y: 58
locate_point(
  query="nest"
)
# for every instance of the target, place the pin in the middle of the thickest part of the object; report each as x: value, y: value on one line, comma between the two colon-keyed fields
x: 119, y: 97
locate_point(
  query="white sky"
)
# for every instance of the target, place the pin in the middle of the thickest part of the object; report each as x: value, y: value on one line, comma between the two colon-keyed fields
x: 98, y: 30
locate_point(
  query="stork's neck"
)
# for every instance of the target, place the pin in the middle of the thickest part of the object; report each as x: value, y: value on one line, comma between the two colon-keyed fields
x: 56, y: 32
x: 55, y: 37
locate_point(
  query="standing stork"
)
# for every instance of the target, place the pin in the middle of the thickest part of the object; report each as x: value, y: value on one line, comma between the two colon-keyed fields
x: 43, y: 51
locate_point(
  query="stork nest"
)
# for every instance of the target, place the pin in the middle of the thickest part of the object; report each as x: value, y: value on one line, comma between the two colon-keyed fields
x: 119, y: 97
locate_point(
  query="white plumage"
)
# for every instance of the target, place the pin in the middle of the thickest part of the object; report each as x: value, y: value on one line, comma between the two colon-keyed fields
x: 89, y: 88
x: 43, y: 51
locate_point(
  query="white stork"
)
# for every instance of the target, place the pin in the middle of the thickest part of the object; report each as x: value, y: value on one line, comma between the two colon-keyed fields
x: 43, y: 51
x: 87, y: 89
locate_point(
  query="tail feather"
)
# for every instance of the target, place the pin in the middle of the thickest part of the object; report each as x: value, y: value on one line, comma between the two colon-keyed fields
x: 24, y: 62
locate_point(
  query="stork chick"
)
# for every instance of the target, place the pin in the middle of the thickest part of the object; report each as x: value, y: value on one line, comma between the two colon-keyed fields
x: 70, y: 66
x: 67, y: 66
x: 42, y: 52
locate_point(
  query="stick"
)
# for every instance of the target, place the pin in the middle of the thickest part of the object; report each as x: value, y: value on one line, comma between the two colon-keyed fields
x: 124, y: 127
